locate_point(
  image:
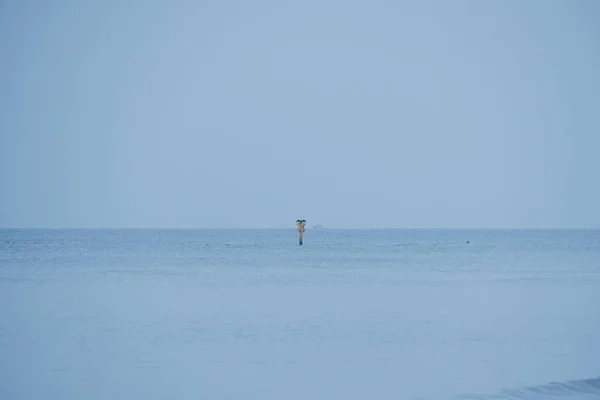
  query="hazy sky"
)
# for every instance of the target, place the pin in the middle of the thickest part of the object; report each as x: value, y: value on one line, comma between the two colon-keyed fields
x: 255, y: 113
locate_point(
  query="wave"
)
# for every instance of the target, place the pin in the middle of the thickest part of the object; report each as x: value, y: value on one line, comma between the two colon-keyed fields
x: 583, y: 389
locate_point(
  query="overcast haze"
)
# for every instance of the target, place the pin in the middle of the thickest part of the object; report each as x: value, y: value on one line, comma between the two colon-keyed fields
x: 420, y: 114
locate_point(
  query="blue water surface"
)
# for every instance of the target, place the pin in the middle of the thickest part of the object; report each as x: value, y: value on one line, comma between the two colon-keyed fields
x: 249, y: 314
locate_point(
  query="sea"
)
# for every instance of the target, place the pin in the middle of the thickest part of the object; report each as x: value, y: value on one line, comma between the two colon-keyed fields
x: 250, y: 314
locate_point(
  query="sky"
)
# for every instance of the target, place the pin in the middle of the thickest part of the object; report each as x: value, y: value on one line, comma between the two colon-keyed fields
x: 252, y: 114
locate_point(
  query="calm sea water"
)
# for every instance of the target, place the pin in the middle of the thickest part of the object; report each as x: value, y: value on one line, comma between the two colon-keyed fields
x: 249, y: 314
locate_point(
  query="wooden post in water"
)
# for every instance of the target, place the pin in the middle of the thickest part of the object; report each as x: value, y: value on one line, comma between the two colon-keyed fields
x: 301, y: 224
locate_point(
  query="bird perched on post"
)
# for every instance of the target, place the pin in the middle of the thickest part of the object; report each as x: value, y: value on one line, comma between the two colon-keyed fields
x: 301, y: 228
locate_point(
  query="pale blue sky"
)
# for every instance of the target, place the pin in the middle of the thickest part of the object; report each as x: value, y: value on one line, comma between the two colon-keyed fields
x: 255, y: 113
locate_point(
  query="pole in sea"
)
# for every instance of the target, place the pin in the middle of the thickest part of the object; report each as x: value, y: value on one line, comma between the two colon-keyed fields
x: 301, y: 224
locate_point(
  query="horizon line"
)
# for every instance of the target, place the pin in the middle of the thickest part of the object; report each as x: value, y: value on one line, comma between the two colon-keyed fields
x: 293, y: 228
